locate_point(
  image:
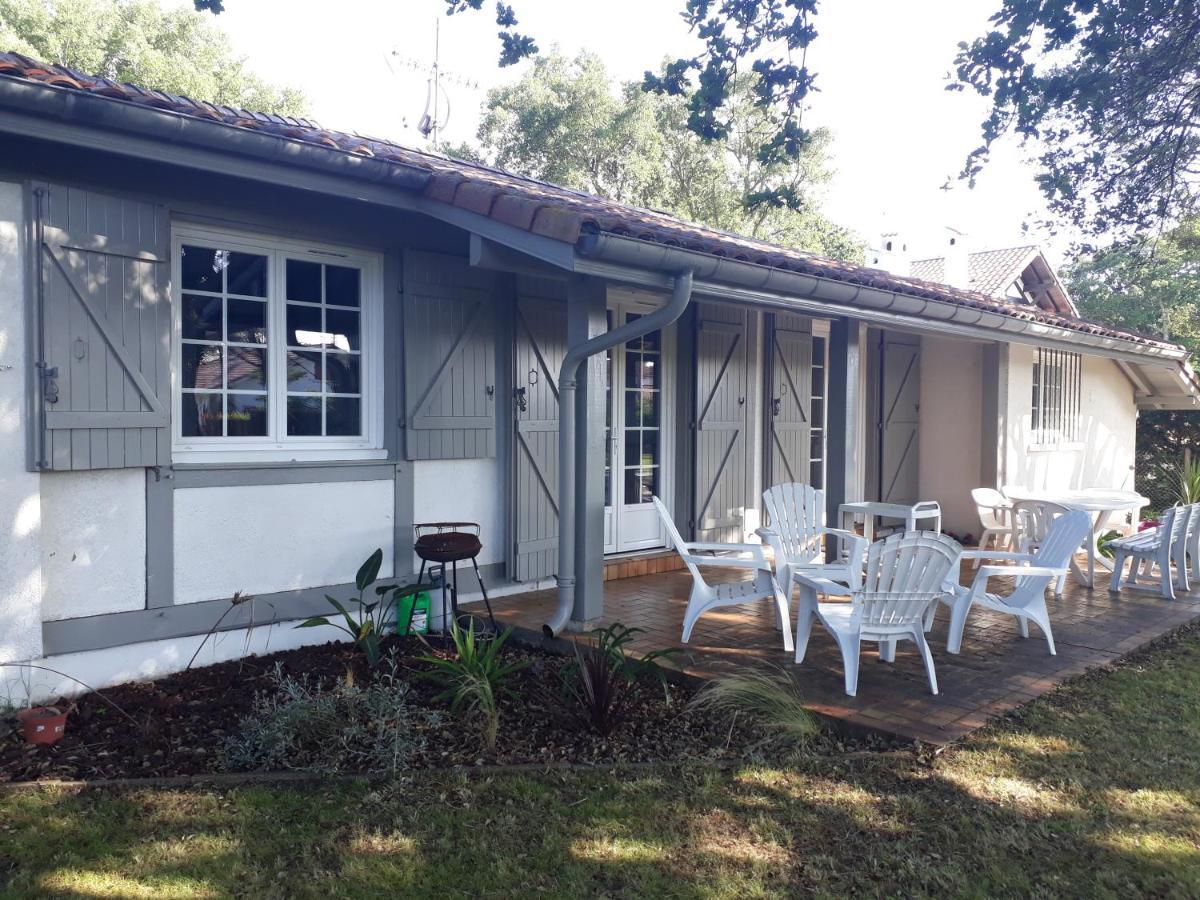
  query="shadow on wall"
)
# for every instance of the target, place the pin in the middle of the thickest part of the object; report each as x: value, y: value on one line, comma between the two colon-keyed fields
x: 1099, y: 459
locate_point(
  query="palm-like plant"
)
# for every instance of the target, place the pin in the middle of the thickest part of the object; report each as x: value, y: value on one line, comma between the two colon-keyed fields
x: 367, y: 630
x: 1188, y: 478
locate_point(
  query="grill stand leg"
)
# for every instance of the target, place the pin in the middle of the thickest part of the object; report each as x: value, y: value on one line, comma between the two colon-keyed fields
x: 486, y: 601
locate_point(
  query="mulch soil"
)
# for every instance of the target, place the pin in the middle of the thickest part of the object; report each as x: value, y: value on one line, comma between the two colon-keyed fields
x: 184, y: 718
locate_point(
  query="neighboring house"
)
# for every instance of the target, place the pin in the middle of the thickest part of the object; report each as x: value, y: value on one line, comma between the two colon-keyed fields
x: 239, y: 352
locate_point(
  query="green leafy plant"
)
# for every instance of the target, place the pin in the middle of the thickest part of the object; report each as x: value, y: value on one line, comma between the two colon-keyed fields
x: 768, y: 695
x: 476, y: 677
x: 369, y: 627
x: 1188, y: 477
x: 611, y: 642
x: 344, y: 727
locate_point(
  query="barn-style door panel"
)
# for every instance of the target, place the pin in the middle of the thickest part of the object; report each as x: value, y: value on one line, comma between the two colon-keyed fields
x: 899, y: 412
x: 789, y: 404
x: 721, y: 422
x: 449, y: 358
x: 104, y: 320
x: 540, y: 343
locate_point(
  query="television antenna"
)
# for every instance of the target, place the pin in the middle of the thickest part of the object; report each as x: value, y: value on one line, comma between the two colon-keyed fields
x: 436, y: 115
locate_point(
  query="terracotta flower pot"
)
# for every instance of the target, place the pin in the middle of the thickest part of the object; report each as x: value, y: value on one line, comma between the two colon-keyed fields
x: 43, y: 724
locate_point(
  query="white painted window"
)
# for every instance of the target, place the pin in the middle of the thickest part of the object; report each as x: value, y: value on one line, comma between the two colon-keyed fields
x: 278, y: 349
x: 1056, y: 393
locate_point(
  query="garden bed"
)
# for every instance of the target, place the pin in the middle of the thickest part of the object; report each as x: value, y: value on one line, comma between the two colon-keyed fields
x: 184, y: 720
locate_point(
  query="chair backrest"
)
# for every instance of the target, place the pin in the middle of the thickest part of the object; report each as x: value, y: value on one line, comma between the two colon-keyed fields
x: 1031, y: 520
x: 796, y: 512
x: 1175, y: 524
x: 1057, y: 548
x: 904, y: 574
x: 993, y: 507
x: 677, y: 540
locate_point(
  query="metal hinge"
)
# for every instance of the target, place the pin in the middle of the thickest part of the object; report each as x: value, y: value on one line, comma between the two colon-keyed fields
x: 49, y: 382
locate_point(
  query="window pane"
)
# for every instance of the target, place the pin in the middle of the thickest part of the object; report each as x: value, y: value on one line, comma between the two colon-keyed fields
x: 304, y: 327
x: 633, y: 447
x: 633, y: 372
x: 816, y: 413
x: 247, y: 274
x: 201, y: 268
x: 814, y: 450
x: 304, y: 371
x: 247, y: 415
x: 304, y: 416
x: 201, y: 415
x: 342, y: 416
x: 247, y: 369
x: 633, y: 409
x: 818, y: 351
x: 650, y: 447
x: 202, y: 366
x: 652, y: 341
x: 303, y: 281
x: 247, y: 321
x: 649, y: 403
x: 201, y: 317
x: 342, y: 324
x: 341, y: 286
x: 633, y: 487
x: 341, y: 370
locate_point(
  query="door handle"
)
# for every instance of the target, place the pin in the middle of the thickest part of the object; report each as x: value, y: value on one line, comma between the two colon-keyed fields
x: 522, y: 404
x: 775, y: 406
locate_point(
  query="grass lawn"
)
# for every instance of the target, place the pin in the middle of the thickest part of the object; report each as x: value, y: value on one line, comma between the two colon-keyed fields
x: 1092, y: 791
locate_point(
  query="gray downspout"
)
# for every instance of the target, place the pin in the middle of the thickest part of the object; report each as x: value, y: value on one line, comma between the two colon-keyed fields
x: 568, y: 374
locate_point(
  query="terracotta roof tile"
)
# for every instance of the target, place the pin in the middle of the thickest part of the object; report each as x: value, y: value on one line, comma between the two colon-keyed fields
x: 545, y: 209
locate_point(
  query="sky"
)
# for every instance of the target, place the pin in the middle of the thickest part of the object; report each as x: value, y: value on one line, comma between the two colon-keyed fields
x: 882, y: 67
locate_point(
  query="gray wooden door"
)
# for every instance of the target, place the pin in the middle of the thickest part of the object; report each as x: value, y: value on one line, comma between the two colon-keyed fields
x: 721, y: 467
x: 789, y: 403
x: 899, y: 411
x: 104, y: 312
x: 540, y: 344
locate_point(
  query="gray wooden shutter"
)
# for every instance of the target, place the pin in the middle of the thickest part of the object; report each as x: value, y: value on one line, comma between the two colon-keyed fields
x: 104, y: 316
x: 539, y: 347
x: 789, y: 404
x: 721, y: 468
x: 449, y: 358
x: 899, y: 411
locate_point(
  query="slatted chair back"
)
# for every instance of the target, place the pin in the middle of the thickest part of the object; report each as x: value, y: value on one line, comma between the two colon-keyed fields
x: 1183, y: 522
x: 904, y: 575
x: 796, y: 512
x: 1065, y: 535
x: 1031, y: 521
x: 993, y: 507
x: 677, y: 541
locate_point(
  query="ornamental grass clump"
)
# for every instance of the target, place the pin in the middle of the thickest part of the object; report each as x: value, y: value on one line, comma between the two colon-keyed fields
x: 768, y: 696
x: 302, y: 724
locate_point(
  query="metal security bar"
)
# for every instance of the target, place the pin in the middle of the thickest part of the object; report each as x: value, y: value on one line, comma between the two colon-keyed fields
x: 1056, y: 396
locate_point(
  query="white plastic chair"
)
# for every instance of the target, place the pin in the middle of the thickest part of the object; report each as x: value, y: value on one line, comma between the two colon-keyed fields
x: 705, y: 597
x: 1156, y: 547
x: 994, y: 512
x: 903, y: 578
x: 796, y: 534
x: 1033, y: 571
x: 1031, y: 521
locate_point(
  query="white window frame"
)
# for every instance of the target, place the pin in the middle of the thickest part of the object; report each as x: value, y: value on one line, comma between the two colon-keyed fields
x: 277, y: 446
x: 1056, y: 399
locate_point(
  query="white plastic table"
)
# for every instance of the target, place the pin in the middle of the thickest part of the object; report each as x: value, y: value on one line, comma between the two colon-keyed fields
x: 1102, y: 504
x: 873, y: 509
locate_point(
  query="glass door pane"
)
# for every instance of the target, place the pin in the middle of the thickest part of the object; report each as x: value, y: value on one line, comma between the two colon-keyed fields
x: 642, y: 461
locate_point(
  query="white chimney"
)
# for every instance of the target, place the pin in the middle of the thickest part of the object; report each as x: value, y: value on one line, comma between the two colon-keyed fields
x: 891, y: 255
x: 958, y: 258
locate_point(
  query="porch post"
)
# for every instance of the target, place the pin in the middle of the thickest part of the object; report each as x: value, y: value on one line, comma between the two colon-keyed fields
x: 586, y: 318
x: 844, y: 468
x: 994, y: 409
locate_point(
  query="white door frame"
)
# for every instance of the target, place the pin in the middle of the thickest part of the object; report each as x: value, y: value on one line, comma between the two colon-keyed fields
x: 637, y: 527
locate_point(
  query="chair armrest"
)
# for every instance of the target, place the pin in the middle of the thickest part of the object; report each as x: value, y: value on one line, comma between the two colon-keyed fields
x: 755, y: 549
x: 998, y: 554
x: 986, y: 572
x: 728, y: 562
x: 822, y: 585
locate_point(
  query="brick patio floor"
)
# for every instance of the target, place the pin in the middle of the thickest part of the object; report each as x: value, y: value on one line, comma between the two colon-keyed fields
x: 996, y: 671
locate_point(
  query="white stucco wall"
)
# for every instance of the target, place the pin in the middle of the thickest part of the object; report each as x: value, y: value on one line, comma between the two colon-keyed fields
x: 1104, y: 457
x: 950, y: 429
x: 463, y: 490
x: 20, y: 501
x: 93, y: 542
x: 266, y: 538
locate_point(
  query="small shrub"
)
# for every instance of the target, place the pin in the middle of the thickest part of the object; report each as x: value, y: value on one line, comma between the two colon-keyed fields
x: 368, y: 629
x: 769, y: 696
x: 1187, y: 476
x: 611, y: 642
x: 343, y: 728
x: 475, y: 678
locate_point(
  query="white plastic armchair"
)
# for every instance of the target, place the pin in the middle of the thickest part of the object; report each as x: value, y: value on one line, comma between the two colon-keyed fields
x: 1161, y: 546
x: 1031, y: 521
x: 796, y: 534
x: 994, y: 512
x: 705, y: 597
x: 1033, y: 572
x: 903, y: 578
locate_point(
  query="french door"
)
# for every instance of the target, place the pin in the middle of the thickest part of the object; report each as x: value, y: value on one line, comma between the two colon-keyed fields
x: 637, y: 445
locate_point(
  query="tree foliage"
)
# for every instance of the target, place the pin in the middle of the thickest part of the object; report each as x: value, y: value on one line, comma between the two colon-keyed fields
x: 563, y: 122
x: 138, y: 41
x: 1109, y: 90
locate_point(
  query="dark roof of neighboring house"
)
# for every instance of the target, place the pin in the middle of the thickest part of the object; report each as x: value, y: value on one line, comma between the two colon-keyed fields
x: 542, y: 208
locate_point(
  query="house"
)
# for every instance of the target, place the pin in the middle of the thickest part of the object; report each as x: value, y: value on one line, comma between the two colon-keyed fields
x: 239, y: 352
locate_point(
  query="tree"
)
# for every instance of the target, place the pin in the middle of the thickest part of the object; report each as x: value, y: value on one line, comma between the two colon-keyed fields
x: 769, y: 33
x: 140, y: 42
x: 563, y: 122
x: 1110, y: 90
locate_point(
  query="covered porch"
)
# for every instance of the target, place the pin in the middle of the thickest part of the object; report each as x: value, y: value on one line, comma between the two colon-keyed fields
x: 996, y: 671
